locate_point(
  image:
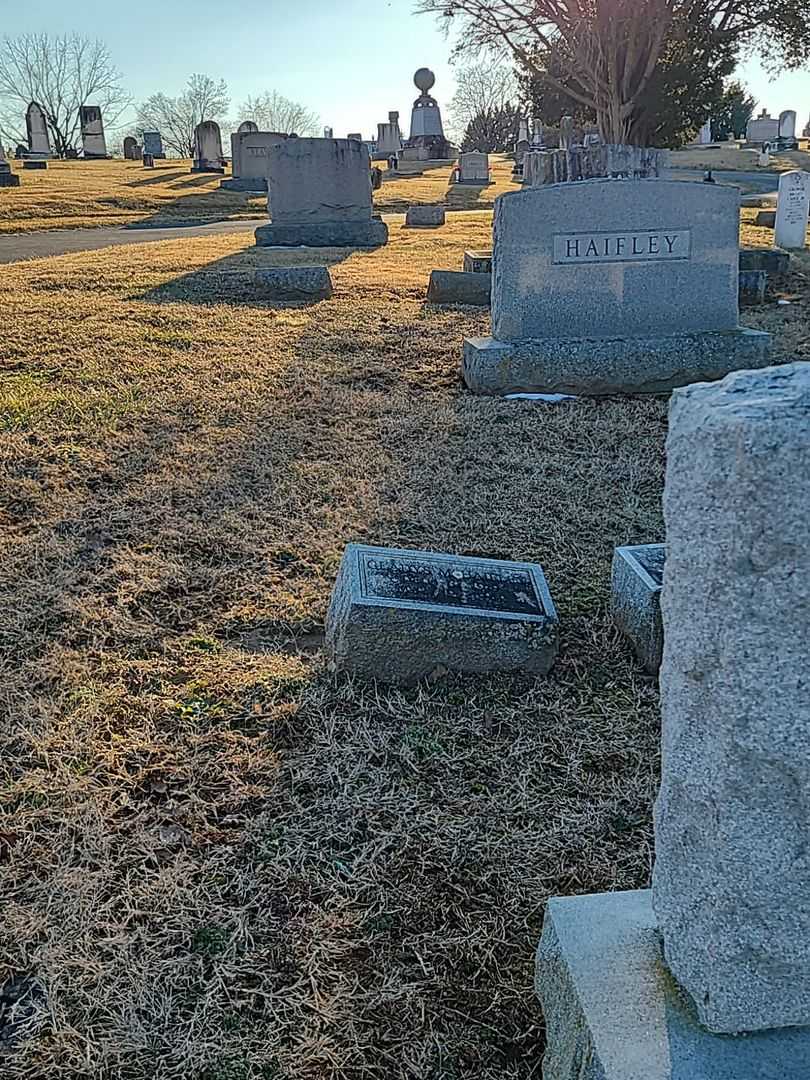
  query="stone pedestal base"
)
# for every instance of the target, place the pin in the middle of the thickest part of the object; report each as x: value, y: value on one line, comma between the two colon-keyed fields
x: 9, y: 179
x: 373, y: 233
x: 616, y: 366
x: 256, y: 184
x: 214, y: 169
x: 613, y: 1011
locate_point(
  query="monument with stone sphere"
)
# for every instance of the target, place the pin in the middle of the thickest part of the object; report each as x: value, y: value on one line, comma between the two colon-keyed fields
x: 427, y: 131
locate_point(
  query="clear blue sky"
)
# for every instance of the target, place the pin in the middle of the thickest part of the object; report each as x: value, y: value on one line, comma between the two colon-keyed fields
x: 349, y: 60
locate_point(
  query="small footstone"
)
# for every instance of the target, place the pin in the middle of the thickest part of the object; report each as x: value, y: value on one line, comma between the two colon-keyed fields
x: 478, y: 262
x: 295, y: 282
x: 638, y: 575
x: 34, y: 164
x: 459, y: 287
x: 613, y: 1011
x: 425, y: 216
x: 397, y: 616
x: 766, y: 219
x: 9, y: 180
x: 775, y: 263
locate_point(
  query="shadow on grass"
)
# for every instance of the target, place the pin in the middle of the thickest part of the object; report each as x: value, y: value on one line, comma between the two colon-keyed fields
x: 157, y: 177
x: 467, y: 196
x: 231, y: 280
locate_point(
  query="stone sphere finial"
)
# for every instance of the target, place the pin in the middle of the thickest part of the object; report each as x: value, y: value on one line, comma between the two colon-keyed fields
x: 424, y: 79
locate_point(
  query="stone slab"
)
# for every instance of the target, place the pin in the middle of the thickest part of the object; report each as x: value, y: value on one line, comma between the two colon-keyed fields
x: 775, y: 263
x: 636, y: 583
x: 477, y: 262
x: 766, y: 219
x: 399, y: 616
x: 9, y: 180
x: 613, y: 1012
x: 216, y: 170
x: 621, y: 366
x: 424, y: 216
x: 372, y: 233
x: 32, y: 163
x: 255, y: 184
x: 752, y: 287
x: 295, y: 282
x: 731, y: 882
x: 459, y: 287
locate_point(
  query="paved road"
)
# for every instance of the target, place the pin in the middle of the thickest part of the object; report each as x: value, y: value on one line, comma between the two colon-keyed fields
x: 17, y: 247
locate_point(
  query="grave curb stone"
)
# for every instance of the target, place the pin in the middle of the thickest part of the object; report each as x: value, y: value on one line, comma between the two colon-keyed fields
x: 636, y: 602
x: 459, y: 287
x: 402, y: 641
x: 251, y: 184
x: 373, y: 233
x: 583, y: 366
x: 295, y: 282
x: 613, y: 1011
x: 424, y: 216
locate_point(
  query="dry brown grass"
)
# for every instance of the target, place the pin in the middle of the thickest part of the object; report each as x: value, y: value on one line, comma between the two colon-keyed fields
x: 93, y: 194
x: 217, y: 860
x: 730, y: 157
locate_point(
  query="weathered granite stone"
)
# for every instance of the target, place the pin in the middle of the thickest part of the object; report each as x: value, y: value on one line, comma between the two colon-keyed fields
x: 752, y: 287
x: 613, y: 1012
x: 422, y: 215
x: 775, y: 263
x: 153, y: 144
x: 7, y: 177
x: 618, y: 366
x: 766, y: 219
x: 477, y: 262
x: 473, y: 168
x: 605, y: 287
x: 638, y: 574
x: 94, y: 143
x: 39, y: 138
x: 295, y: 282
x: 320, y: 195
x: 35, y: 163
x: 249, y: 152
x: 398, y: 616
x: 207, y: 148
x: 792, y: 209
x: 459, y: 287
x: 732, y: 877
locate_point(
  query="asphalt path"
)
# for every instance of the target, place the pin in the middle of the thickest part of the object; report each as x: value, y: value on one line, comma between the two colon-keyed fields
x: 18, y: 247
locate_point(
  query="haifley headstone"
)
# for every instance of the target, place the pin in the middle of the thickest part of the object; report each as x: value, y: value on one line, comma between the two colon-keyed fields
x: 399, y: 615
x: 319, y: 195
x: 792, y: 209
x: 707, y: 976
x: 607, y: 286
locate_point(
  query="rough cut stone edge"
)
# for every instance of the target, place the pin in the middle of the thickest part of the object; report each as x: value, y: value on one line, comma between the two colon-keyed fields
x: 636, y: 606
x: 610, y: 366
x: 295, y: 282
x: 234, y: 183
x: 373, y: 233
x: 613, y: 1011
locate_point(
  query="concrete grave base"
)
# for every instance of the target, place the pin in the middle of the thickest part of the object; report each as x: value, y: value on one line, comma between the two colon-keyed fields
x: 33, y: 163
x: 614, y: 1012
x: 249, y: 183
x: 636, y: 584
x: 373, y: 233
x: 295, y: 282
x: 459, y: 287
x: 620, y: 366
x: 9, y: 179
x: 400, y: 616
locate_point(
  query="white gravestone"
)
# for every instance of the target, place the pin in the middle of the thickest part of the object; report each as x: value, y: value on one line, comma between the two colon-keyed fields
x: 792, y: 209
x: 94, y: 144
x: 787, y: 124
x: 473, y: 168
x: 764, y: 128
x: 207, y: 148
x: 705, y: 134
x: 39, y: 140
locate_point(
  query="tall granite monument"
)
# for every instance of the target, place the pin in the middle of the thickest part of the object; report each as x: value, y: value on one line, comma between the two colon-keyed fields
x: 427, y: 130
x: 319, y: 195
x: 606, y: 286
x: 707, y: 977
x: 39, y: 139
x: 94, y: 143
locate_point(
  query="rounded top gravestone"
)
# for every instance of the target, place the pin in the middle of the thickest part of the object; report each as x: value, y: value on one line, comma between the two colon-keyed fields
x: 247, y: 127
x: 424, y: 79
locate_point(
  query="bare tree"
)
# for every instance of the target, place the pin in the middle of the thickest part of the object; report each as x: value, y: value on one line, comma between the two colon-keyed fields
x: 608, y: 50
x: 177, y: 117
x: 61, y: 74
x: 274, y: 112
x: 482, y: 89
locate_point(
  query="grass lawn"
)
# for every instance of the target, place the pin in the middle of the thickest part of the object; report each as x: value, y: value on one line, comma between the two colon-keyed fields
x: 218, y: 860
x: 731, y: 157
x: 92, y: 194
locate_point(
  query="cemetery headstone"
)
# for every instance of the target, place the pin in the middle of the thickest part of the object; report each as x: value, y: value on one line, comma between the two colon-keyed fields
x: 792, y: 210
x: 389, y: 137
x: 39, y: 140
x: 320, y: 196
x: 609, y: 287
x: 148, y: 161
x: 8, y: 179
x: 473, y: 168
x: 399, y: 616
x: 247, y: 127
x: 636, y: 583
x: 763, y: 128
x: 704, y: 136
x: 478, y: 262
x: 153, y: 144
x: 566, y: 132
x: 94, y: 144
x: 427, y: 130
x: 295, y: 282
x: 753, y: 284
x: 730, y: 997
x: 207, y: 148
x: 787, y: 130
x: 249, y: 150
x: 132, y: 149
x: 459, y: 287
x: 328, y: 133
x: 423, y: 215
